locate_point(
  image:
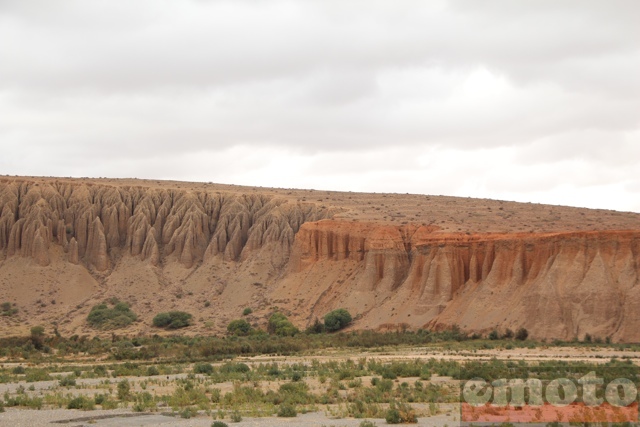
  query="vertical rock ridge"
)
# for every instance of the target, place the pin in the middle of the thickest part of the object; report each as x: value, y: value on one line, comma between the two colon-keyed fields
x: 190, y: 226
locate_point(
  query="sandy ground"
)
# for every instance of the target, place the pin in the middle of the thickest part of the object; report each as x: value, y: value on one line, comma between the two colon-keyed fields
x: 52, y: 418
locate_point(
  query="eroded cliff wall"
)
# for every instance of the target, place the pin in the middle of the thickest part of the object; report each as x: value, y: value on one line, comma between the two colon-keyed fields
x: 557, y: 285
x: 68, y: 244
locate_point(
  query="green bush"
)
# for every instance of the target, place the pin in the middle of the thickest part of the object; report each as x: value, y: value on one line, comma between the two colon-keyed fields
x: 279, y: 325
x: 68, y: 381
x: 219, y: 424
x: 236, y: 417
x: 172, y: 320
x: 392, y: 416
x: 203, y: 368
x: 189, y: 412
x: 81, y: 402
x: 124, y: 390
x: 7, y: 310
x: 367, y: 423
x: 35, y: 374
x: 287, y: 410
x: 234, y: 367
x: 152, y: 371
x: 239, y: 328
x: 400, y: 413
x: 117, y: 316
x: 337, y: 319
x: 247, y: 311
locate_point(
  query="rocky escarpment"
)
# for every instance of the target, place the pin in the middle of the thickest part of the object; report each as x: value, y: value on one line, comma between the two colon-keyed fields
x: 95, y: 224
x: 214, y: 250
x: 557, y: 285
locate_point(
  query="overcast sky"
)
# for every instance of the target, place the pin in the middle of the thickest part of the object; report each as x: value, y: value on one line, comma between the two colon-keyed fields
x: 527, y: 100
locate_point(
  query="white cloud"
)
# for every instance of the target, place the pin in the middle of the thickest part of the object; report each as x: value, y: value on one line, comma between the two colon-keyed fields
x: 534, y: 100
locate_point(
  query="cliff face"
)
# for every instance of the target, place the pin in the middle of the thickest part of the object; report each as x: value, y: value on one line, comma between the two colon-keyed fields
x: 65, y: 245
x: 97, y: 224
x: 557, y: 285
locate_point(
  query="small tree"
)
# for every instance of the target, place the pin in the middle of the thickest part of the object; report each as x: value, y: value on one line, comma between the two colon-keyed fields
x: 522, y: 334
x: 337, y: 319
x: 279, y: 325
x: 493, y: 335
x: 239, y: 327
x: 37, y: 337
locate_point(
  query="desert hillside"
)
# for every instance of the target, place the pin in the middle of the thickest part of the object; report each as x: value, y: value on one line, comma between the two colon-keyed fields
x: 392, y: 260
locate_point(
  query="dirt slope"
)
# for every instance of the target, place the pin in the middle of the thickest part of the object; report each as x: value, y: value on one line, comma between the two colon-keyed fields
x: 392, y: 260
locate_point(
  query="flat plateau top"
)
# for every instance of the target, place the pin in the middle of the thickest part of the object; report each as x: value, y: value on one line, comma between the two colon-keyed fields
x: 447, y: 214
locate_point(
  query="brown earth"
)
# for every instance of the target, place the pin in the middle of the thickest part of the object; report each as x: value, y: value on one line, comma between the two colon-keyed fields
x: 393, y: 261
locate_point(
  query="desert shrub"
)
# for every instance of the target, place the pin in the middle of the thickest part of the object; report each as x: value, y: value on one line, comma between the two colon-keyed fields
x: 33, y: 375
x: 522, y: 334
x: 279, y: 325
x: 287, y: 410
x: 316, y: 328
x: 239, y: 328
x: 203, y: 368
x: 68, y: 381
x: 494, y: 335
x: 367, y: 423
x: 388, y: 374
x: 117, y: 316
x: 295, y: 393
x: 234, y: 367
x: 188, y: 412
x: 508, y: 334
x: 236, y: 417
x: 400, y: 413
x: 337, y: 319
x: 247, y: 311
x: 152, y: 371
x: 6, y: 309
x: 37, y: 337
x: 219, y: 424
x: 124, y: 390
x: 172, y: 320
x: 81, y: 402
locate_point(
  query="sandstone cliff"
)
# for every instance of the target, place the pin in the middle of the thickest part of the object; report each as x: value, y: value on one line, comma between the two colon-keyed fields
x: 393, y: 261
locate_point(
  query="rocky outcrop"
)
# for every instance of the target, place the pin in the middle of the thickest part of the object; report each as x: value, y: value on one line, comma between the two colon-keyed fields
x: 152, y: 224
x: 72, y: 256
x: 264, y: 249
x: 557, y: 285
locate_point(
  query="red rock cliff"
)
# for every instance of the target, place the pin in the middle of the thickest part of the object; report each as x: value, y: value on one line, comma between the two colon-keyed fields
x: 557, y: 285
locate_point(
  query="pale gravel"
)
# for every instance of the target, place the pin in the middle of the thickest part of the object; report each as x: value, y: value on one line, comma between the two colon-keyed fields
x: 48, y: 417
